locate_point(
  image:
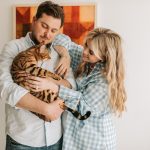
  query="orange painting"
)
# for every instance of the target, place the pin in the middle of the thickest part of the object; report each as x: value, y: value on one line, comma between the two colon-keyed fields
x: 78, y: 21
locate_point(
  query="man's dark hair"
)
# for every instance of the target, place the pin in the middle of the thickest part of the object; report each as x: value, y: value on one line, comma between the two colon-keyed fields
x: 51, y: 9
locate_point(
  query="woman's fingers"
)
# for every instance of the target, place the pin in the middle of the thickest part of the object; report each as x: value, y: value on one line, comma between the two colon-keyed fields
x: 33, y: 87
x: 33, y: 82
x: 34, y: 78
x: 38, y: 83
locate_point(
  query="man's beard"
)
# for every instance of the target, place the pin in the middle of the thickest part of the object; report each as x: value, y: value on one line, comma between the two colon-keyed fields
x: 33, y: 38
x: 36, y: 42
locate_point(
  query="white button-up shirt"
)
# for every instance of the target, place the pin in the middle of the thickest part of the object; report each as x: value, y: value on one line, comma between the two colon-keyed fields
x: 22, y: 125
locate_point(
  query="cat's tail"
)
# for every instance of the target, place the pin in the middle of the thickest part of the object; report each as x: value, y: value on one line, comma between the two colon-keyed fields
x: 77, y: 115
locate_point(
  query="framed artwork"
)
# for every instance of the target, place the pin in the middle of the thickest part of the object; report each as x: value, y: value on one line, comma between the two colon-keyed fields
x: 79, y: 19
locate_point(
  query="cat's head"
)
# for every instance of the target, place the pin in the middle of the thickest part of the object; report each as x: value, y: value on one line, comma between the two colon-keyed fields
x: 42, y: 51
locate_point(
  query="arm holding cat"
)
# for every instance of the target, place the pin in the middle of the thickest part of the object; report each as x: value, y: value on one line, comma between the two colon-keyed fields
x: 51, y: 111
x: 15, y: 95
x: 91, y: 98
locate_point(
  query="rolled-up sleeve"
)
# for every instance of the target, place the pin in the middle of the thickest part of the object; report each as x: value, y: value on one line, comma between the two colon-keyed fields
x: 74, y: 49
x: 63, y: 40
x: 75, y: 52
x: 10, y: 92
x: 70, y: 77
x: 93, y: 97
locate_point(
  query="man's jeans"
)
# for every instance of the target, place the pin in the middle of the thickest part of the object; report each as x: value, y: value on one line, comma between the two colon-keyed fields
x: 13, y: 145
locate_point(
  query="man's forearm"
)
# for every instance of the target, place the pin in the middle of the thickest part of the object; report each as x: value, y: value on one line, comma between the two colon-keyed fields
x: 32, y: 103
x: 62, y: 51
x: 51, y: 111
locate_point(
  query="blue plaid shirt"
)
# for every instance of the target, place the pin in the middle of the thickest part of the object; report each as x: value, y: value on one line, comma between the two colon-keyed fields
x: 97, y: 132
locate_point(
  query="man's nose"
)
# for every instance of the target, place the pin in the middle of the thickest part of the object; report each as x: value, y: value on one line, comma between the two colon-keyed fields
x: 48, y: 34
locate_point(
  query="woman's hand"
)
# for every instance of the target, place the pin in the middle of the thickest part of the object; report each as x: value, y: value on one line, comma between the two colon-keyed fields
x: 37, y: 84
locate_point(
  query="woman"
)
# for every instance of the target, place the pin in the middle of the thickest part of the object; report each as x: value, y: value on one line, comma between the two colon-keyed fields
x: 100, y: 89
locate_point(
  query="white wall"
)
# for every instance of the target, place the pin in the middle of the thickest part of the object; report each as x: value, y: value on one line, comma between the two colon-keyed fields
x: 132, y: 20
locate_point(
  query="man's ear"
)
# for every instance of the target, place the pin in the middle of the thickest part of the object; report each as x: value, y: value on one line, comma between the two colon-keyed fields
x: 34, y: 19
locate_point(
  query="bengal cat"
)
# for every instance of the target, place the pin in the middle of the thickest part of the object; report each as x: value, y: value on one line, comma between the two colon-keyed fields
x: 27, y: 61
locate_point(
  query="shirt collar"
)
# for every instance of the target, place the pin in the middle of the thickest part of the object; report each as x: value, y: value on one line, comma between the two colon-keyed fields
x: 28, y: 39
x: 97, y: 68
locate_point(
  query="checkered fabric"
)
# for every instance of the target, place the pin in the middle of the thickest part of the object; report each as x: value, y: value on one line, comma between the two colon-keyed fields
x: 74, y: 49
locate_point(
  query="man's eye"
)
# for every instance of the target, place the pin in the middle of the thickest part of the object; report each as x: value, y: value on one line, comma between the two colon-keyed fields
x: 44, y: 26
x: 54, y: 31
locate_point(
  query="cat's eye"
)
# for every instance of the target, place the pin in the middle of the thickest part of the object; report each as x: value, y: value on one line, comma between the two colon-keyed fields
x: 91, y: 52
x: 85, y: 45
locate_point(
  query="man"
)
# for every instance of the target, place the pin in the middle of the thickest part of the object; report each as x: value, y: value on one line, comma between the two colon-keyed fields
x: 24, y: 129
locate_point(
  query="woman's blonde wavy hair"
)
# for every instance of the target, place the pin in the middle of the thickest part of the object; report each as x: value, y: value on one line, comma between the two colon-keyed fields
x: 106, y: 45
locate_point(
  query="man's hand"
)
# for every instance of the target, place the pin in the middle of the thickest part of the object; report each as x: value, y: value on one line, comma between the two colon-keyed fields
x: 54, y: 110
x: 64, y: 63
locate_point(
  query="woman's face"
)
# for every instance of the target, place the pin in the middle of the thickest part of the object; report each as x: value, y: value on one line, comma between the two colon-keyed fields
x: 88, y: 54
